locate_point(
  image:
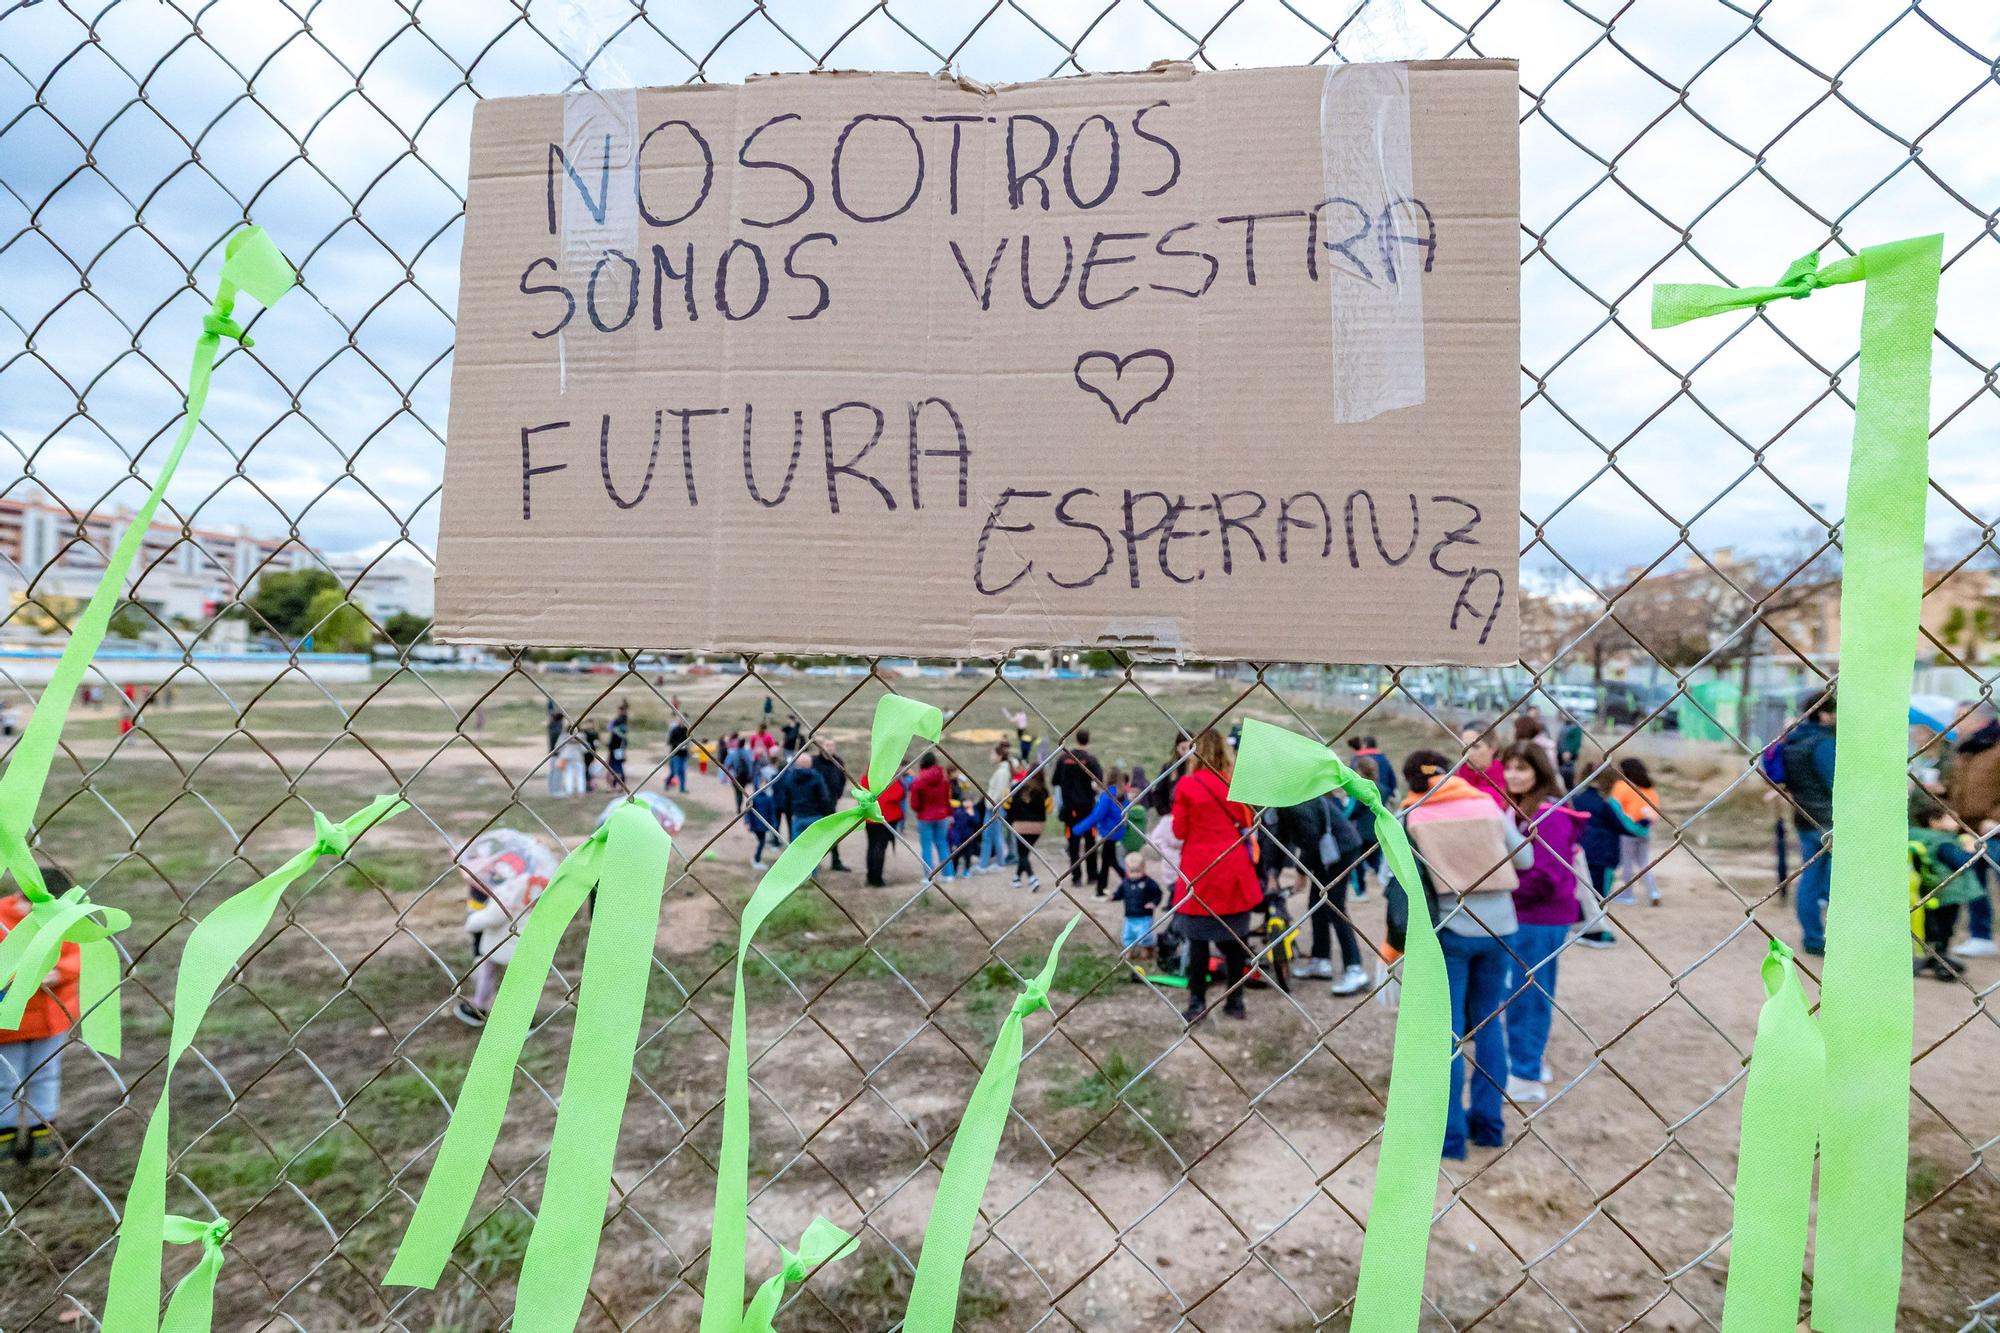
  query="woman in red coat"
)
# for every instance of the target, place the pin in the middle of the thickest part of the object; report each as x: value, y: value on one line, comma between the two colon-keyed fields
x: 1218, y: 884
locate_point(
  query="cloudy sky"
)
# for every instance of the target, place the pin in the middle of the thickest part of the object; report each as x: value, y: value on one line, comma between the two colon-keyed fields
x: 1684, y: 121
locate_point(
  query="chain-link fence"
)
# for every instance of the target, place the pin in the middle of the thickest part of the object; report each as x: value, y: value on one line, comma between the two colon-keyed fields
x: 1154, y: 1176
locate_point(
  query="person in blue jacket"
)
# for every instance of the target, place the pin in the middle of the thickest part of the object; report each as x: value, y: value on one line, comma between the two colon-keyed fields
x: 1107, y: 820
x: 1607, y: 822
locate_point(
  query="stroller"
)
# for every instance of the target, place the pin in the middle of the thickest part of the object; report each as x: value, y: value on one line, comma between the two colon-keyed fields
x: 1273, y: 943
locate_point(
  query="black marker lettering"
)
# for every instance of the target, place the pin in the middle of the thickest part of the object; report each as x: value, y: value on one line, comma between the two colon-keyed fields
x: 631, y: 292
x: 954, y: 122
x: 984, y: 295
x: 569, y: 300
x: 1091, y: 260
x: 639, y: 174
x: 722, y: 301
x: 1160, y: 248
x: 663, y: 273
x: 840, y: 147
x: 604, y: 461
x: 849, y: 468
x: 1250, y: 221
x: 1224, y: 521
x: 1110, y: 170
x: 1465, y: 589
x: 597, y: 205
x: 1028, y: 291
x: 1460, y: 536
x: 1342, y: 247
x: 1062, y: 517
x: 743, y: 157
x: 1016, y: 178
x: 1132, y: 536
x: 1139, y: 128
x: 825, y: 293
x: 961, y: 452
x: 1375, y: 528
x: 687, y: 415
x: 1287, y: 522
x: 528, y: 470
x: 993, y: 525
x: 791, y: 467
x: 1388, y: 237
x: 1173, y: 534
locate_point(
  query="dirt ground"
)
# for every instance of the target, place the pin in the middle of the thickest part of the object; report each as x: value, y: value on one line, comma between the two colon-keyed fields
x: 1152, y: 1177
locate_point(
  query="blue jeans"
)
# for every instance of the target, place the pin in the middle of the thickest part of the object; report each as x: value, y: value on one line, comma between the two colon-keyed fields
x: 995, y: 847
x: 31, y: 1080
x: 934, y: 843
x: 1529, y: 1010
x: 1477, y: 969
x: 1979, y: 912
x: 1815, y: 882
x: 677, y: 770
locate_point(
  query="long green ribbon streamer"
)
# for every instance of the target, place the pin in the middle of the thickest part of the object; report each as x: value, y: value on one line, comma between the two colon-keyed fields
x: 934, y: 1295
x: 211, y: 953
x: 1782, y: 1101
x: 252, y: 264
x: 822, y: 1243
x: 1865, y: 990
x: 1275, y: 767
x: 898, y: 721
x: 626, y: 861
x: 191, y: 1309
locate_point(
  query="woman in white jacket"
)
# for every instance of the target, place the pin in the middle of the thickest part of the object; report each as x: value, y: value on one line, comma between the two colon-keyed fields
x: 505, y: 871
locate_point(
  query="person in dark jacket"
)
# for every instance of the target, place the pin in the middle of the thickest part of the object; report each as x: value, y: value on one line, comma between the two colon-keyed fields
x: 616, y: 743
x: 1601, y: 840
x: 1364, y: 747
x: 1078, y: 779
x: 802, y: 796
x: 677, y: 753
x: 1307, y: 831
x: 834, y: 774
x: 1808, y: 752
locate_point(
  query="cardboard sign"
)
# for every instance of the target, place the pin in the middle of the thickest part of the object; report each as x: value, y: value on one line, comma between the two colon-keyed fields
x: 1217, y: 365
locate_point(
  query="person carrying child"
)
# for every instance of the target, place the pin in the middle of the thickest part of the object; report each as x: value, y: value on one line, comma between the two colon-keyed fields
x: 505, y: 871
x: 31, y: 1054
x: 1140, y: 894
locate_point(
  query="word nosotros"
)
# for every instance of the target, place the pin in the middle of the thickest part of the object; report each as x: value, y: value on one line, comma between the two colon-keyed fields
x: 1077, y: 538
x: 877, y: 169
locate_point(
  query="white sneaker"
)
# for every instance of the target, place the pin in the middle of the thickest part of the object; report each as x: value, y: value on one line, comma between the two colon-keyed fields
x: 1548, y: 1074
x: 1625, y: 899
x: 1316, y: 967
x: 1975, y: 948
x: 1525, y: 1090
x: 1653, y: 897
x: 1351, y: 980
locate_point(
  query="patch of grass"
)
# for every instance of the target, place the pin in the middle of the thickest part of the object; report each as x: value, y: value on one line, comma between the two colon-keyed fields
x: 1923, y: 1178
x: 807, y: 910
x: 1110, y: 1085
x: 873, y: 1290
x: 498, y: 1243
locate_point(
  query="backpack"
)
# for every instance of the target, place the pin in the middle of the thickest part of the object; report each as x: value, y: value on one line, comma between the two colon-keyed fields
x: 1771, y: 763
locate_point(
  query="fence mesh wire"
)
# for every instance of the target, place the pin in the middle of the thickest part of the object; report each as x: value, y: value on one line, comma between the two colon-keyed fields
x: 1152, y: 1176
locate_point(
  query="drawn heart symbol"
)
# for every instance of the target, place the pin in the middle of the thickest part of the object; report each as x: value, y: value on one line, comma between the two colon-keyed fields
x: 1142, y: 376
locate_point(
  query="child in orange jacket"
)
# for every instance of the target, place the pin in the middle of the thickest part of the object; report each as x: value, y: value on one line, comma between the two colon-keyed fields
x: 31, y: 1055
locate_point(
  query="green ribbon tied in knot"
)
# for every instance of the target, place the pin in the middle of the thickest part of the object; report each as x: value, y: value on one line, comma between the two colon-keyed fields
x: 251, y: 264
x: 192, y: 1307
x: 212, y: 952
x: 898, y: 721
x: 1279, y: 768
x: 822, y: 1243
x: 1866, y: 1005
x: 625, y: 861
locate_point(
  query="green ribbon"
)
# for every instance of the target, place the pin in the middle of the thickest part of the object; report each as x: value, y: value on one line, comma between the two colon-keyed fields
x: 625, y: 860
x: 898, y: 721
x: 252, y: 264
x: 211, y: 953
x: 822, y: 1243
x: 1865, y: 990
x: 1275, y: 767
x: 191, y: 1309
x: 933, y: 1304
x: 1782, y: 1100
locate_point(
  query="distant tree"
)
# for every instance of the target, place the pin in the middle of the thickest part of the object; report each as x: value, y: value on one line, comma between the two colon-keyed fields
x: 130, y: 620
x: 284, y: 599
x: 405, y: 627
x: 336, y: 625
